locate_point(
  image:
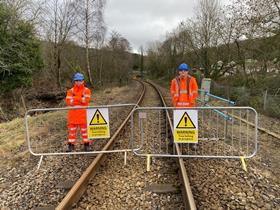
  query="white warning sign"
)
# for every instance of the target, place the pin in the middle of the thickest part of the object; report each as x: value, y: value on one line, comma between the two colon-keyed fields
x: 98, y: 123
x: 185, y: 126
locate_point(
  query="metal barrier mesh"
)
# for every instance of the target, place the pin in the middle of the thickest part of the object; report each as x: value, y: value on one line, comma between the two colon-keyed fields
x: 47, y: 130
x: 222, y: 132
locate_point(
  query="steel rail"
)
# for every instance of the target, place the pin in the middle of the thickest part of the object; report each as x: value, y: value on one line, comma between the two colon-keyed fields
x: 271, y: 133
x: 80, y: 186
x: 187, y: 192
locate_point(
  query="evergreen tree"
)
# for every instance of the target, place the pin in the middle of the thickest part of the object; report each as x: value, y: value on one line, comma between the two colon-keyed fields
x: 20, y: 54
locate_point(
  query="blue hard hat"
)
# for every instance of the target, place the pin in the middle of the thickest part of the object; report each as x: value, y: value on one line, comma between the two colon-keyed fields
x: 183, y: 66
x: 78, y: 77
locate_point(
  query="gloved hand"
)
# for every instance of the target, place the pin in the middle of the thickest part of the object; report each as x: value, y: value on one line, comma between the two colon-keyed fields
x: 77, y: 100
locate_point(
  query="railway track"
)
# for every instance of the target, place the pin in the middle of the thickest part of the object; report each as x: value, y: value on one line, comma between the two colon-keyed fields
x: 186, y: 188
x: 216, y: 184
x: 143, y: 188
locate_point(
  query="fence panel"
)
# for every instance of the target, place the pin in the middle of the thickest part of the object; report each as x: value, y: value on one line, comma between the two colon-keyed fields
x: 223, y: 132
x: 47, y: 132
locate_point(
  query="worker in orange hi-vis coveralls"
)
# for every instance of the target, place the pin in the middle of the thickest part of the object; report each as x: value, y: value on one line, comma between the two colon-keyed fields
x: 79, y: 95
x: 184, y: 88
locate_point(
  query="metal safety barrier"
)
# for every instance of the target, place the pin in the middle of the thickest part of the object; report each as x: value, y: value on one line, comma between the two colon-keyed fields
x: 217, y: 136
x: 47, y: 132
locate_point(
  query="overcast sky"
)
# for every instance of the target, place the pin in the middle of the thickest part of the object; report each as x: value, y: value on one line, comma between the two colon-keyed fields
x: 144, y: 21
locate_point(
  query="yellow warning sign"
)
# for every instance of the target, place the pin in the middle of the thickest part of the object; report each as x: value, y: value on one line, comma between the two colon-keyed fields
x: 98, y: 123
x: 98, y: 119
x: 185, y: 136
x: 98, y: 132
x: 185, y: 122
x: 185, y: 126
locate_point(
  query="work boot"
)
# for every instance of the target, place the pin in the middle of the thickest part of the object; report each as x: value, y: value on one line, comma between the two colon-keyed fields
x: 86, y: 147
x: 70, y: 147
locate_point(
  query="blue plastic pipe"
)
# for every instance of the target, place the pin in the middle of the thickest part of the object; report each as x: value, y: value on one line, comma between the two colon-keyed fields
x: 218, y: 97
x: 220, y: 113
x: 217, y: 111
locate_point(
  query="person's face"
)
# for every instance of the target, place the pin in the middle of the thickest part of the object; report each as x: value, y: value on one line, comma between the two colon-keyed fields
x: 79, y: 82
x: 183, y: 73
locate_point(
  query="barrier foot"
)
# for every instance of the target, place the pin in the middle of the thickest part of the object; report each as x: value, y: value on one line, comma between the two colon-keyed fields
x: 40, y: 161
x: 243, y: 163
x: 148, y: 162
x: 125, y: 157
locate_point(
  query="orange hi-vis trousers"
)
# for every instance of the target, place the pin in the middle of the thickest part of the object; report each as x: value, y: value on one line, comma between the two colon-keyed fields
x: 72, y: 133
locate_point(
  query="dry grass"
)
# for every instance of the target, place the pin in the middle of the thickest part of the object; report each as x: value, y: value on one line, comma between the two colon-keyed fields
x: 11, y: 136
x: 13, y: 144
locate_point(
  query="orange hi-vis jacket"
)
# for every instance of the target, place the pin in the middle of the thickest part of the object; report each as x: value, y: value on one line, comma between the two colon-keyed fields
x: 184, y: 91
x: 78, y: 96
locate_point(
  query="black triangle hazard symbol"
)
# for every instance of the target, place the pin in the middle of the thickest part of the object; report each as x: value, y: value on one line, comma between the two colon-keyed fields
x: 98, y: 119
x: 185, y: 122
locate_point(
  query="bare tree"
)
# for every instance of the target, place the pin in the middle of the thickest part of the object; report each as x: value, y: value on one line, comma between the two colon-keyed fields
x: 91, y: 27
x: 222, y: 41
x: 118, y: 43
x: 26, y: 9
x: 141, y: 61
x: 196, y: 38
x: 264, y: 15
x: 99, y: 39
x: 118, y: 47
x: 58, y: 21
x: 205, y: 30
x: 205, y: 40
x: 256, y: 19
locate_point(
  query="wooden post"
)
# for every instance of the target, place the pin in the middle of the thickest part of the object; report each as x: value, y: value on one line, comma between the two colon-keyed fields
x: 23, y: 103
